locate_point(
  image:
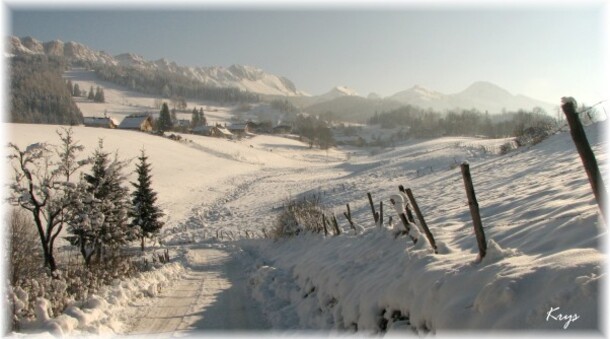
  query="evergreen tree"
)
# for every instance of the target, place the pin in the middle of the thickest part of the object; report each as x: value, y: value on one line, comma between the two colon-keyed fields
x: 105, y: 184
x: 145, y: 213
x: 165, y: 121
x: 91, y: 95
x: 99, y: 95
x: 76, y: 91
x: 195, y: 118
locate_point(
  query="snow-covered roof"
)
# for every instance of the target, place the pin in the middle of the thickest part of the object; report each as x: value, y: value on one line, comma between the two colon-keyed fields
x: 224, y: 131
x: 202, y: 129
x: 96, y: 121
x: 133, y: 122
x: 239, y: 126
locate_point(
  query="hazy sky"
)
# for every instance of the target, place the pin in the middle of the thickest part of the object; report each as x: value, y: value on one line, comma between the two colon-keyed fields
x: 544, y: 52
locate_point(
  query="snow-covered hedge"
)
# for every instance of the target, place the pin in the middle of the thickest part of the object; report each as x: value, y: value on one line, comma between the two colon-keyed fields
x: 84, y: 304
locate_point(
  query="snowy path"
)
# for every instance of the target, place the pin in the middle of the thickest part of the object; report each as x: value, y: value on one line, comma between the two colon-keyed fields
x: 212, y: 297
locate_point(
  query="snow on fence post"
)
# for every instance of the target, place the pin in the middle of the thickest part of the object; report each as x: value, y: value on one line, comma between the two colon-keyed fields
x: 336, y: 225
x: 401, y: 188
x: 375, y: 215
x: 422, y: 222
x: 405, y: 223
x: 474, y: 210
x: 324, y: 222
x: 348, y: 216
x: 568, y: 105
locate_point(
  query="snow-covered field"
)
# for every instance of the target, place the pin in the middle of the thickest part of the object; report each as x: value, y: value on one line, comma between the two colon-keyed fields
x: 540, y: 220
x: 545, y: 238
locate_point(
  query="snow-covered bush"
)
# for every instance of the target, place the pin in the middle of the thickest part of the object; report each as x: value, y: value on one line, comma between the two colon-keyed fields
x: 64, y: 288
x: 534, y: 135
x: 299, y: 216
x: 507, y: 147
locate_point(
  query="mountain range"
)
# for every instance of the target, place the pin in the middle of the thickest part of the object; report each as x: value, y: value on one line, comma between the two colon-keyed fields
x: 483, y: 96
x: 247, y: 78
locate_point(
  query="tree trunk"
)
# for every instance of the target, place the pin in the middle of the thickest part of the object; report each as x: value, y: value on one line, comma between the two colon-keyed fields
x: 142, y: 238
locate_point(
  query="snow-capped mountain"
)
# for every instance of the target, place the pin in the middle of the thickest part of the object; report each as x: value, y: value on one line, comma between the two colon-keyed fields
x: 484, y: 96
x: 246, y: 78
x: 336, y: 92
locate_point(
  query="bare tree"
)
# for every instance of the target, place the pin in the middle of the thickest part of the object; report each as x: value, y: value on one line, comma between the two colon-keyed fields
x: 42, y: 187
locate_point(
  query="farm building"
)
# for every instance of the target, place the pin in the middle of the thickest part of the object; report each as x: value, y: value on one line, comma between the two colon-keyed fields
x: 141, y: 122
x: 221, y: 132
x: 239, y: 129
x: 202, y: 130
x: 213, y: 131
x: 100, y: 122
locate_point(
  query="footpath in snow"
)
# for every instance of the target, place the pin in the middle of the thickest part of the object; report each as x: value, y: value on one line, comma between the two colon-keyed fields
x: 211, y: 296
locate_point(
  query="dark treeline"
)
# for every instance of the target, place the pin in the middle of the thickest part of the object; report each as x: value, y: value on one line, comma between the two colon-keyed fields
x: 423, y: 123
x: 39, y: 94
x: 167, y: 85
x: 315, y: 130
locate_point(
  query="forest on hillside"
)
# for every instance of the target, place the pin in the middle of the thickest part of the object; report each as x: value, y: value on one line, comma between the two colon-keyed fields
x: 170, y: 85
x: 38, y: 93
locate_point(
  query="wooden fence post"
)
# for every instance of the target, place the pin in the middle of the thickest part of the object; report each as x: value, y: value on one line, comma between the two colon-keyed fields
x: 422, y: 222
x: 568, y: 105
x: 375, y: 215
x: 474, y: 210
x: 348, y: 216
x: 336, y: 225
x: 401, y: 188
x: 380, y: 219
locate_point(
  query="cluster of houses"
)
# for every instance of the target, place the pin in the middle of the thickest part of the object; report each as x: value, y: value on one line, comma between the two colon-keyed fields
x: 143, y: 122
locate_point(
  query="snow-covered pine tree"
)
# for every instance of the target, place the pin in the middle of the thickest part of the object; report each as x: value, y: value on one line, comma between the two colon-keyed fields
x: 106, y: 184
x: 145, y: 213
x: 85, y: 221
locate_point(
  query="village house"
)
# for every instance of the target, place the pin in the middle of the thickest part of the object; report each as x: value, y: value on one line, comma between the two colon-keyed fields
x: 100, y: 122
x: 239, y: 129
x: 140, y: 122
x: 213, y: 131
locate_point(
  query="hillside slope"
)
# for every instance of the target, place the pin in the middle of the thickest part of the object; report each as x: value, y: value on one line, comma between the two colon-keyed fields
x: 544, y: 247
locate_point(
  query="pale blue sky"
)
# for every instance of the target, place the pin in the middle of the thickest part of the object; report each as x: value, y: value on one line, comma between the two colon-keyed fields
x: 544, y: 52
